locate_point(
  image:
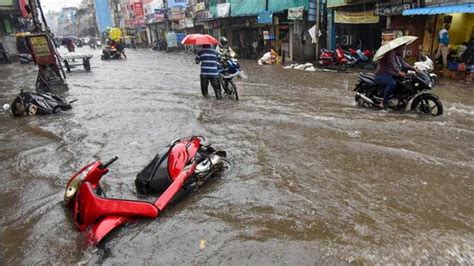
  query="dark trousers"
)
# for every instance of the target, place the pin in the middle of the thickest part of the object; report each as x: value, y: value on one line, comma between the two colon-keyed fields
x: 388, y: 83
x: 215, y: 83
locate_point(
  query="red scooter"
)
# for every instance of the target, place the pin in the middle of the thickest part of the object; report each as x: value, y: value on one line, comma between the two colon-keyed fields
x: 333, y: 58
x: 185, y: 165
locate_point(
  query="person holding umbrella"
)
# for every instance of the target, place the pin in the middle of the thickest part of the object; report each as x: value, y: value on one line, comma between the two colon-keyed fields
x: 209, y: 59
x: 390, y: 65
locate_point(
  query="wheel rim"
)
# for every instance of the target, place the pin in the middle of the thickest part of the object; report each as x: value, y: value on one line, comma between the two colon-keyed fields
x: 428, y: 107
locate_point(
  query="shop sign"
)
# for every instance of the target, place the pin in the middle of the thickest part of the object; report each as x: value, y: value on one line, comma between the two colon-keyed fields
x: 186, y: 23
x: 129, y: 22
x: 160, y: 14
x: 199, y: 7
x: 204, y: 15
x: 355, y: 17
x: 388, y: 9
x: 223, y: 10
x: 295, y: 13
x: 265, y: 17
x: 139, y: 21
x: 138, y: 8
x: 177, y: 14
x: 177, y: 3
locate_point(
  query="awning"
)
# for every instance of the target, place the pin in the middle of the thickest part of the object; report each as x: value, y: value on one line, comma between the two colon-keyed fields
x: 433, y: 10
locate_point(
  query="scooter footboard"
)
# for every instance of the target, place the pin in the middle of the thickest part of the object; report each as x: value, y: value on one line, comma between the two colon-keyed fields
x: 105, y: 226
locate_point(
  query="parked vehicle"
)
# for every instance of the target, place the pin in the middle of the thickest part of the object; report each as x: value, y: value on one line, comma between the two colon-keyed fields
x: 335, y: 58
x: 414, y: 87
x: 426, y: 64
x: 180, y: 168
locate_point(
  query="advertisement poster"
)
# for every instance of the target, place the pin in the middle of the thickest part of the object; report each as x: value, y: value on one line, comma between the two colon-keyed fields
x: 138, y: 8
x: 40, y: 46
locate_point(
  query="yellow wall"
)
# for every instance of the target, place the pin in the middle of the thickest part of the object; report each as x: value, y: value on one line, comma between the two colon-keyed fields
x: 461, y: 28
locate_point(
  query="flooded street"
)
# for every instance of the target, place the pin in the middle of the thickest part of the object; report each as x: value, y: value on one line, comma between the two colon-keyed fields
x: 318, y: 180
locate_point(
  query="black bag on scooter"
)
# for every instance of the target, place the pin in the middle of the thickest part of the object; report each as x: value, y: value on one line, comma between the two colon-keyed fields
x: 154, y: 178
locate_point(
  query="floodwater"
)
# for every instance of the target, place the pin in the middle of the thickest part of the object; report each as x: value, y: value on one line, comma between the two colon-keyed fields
x: 318, y: 179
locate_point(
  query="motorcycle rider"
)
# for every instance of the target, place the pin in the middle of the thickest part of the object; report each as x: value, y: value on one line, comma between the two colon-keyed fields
x: 390, y: 67
x: 224, y: 49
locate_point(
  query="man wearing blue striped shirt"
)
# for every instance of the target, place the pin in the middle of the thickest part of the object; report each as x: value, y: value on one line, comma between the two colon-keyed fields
x: 209, y: 60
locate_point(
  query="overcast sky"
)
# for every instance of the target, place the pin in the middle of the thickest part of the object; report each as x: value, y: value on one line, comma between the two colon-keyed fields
x: 58, y: 4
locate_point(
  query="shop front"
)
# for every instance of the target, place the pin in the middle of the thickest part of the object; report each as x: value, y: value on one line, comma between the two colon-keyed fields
x: 355, y: 24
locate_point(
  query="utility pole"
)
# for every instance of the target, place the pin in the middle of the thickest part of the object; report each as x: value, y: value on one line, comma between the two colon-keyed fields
x: 318, y: 15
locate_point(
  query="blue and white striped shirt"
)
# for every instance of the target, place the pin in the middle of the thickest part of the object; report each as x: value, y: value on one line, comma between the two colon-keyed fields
x: 209, y: 59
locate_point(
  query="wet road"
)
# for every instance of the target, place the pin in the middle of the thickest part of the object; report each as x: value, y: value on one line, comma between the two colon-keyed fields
x: 318, y: 179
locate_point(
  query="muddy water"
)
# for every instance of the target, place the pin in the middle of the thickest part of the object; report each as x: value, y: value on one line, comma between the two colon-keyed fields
x: 318, y: 179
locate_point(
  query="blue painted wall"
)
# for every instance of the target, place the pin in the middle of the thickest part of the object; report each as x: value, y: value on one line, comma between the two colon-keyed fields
x: 104, y: 18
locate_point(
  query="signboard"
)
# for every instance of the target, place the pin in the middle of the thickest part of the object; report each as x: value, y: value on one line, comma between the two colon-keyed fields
x: 199, y: 7
x: 41, y: 50
x: 160, y: 14
x: 177, y: 14
x: 355, y: 17
x: 129, y: 22
x: 138, y: 8
x: 295, y: 13
x: 177, y: 3
x: 223, y: 10
x: 388, y: 9
x: 265, y: 17
x: 186, y: 23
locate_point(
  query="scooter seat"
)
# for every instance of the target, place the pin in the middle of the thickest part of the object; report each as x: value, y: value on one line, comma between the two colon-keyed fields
x: 89, y: 208
x: 368, y: 78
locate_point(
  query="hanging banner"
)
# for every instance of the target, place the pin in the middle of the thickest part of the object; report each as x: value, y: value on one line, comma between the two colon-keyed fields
x: 223, y: 10
x: 265, y: 17
x: 138, y: 8
x: 355, y: 17
x: 295, y: 13
x: 199, y: 7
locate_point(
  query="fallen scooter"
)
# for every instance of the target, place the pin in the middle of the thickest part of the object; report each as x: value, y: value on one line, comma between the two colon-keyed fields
x: 183, y: 166
x: 32, y: 103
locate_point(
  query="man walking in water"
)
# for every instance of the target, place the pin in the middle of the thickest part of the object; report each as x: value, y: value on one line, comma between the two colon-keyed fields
x: 443, y: 49
x: 209, y: 59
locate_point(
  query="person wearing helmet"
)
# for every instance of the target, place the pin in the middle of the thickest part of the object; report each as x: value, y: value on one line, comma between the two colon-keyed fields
x: 224, y: 49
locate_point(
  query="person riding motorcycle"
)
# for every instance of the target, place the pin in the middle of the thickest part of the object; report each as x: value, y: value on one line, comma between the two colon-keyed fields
x: 389, y: 68
x: 224, y: 49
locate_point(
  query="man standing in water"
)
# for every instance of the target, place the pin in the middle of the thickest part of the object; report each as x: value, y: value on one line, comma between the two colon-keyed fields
x: 209, y: 59
x: 443, y: 48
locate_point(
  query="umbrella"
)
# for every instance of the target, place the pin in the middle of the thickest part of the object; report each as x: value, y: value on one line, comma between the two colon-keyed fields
x: 199, y: 39
x: 393, y: 45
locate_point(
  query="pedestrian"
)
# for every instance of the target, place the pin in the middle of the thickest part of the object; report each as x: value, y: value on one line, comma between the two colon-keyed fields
x: 209, y: 59
x: 443, y: 49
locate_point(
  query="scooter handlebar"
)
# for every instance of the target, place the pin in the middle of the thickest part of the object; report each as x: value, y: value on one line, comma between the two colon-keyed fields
x: 111, y: 161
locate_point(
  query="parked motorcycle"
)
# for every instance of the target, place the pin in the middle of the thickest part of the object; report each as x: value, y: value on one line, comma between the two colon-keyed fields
x: 413, y: 87
x: 358, y: 58
x: 333, y: 58
x: 110, y: 52
x: 426, y: 64
x: 182, y: 167
x: 32, y: 103
x: 230, y: 69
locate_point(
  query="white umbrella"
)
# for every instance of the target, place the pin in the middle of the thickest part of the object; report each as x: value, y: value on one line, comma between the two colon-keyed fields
x: 393, y: 45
